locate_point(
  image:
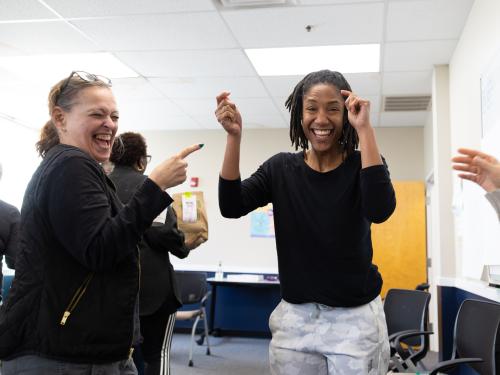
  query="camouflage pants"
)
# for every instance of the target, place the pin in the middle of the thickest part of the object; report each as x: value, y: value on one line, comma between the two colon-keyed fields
x: 313, y: 339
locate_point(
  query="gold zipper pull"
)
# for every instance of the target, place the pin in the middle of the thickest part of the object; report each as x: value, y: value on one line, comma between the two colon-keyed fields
x: 65, y: 317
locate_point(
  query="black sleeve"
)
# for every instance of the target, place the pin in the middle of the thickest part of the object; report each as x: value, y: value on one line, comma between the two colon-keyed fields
x: 237, y: 198
x: 13, y: 242
x: 81, y: 216
x: 167, y: 236
x: 377, y: 192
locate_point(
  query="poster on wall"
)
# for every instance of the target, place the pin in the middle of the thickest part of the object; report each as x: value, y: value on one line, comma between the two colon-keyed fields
x: 262, y: 222
x: 490, y: 105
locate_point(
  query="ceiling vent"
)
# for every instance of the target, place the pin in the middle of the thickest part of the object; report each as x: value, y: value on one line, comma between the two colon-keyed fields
x: 254, y: 3
x: 407, y: 103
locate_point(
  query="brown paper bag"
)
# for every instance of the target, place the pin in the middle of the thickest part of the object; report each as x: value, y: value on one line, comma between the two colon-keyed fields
x: 196, y: 232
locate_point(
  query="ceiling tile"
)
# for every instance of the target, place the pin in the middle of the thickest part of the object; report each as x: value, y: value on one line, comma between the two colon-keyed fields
x: 25, y: 102
x: 397, y: 119
x: 407, y: 83
x: 362, y: 83
x: 331, y: 2
x: 13, y: 10
x: 99, y: 8
x: 252, y: 122
x: 44, y: 37
x: 149, y: 114
x: 150, y: 122
x: 426, y: 19
x: 248, y: 107
x: 415, y: 56
x: 214, y: 63
x: 285, y: 26
x: 191, y: 87
x: 281, y: 86
x: 127, y: 89
x: 182, y: 31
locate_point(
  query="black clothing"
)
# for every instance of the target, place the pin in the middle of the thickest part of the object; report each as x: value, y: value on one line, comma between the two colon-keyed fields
x: 322, y: 225
x: 157, y: 329
x: 159, y: 295
x: 76, y: 240
x: 9, y: 235
x: 157, y: 274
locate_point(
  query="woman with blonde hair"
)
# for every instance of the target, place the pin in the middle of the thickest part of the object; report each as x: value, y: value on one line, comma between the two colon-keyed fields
x: 73, y: 305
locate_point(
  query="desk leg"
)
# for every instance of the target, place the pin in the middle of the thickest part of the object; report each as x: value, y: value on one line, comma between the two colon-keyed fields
x: 212, y: 309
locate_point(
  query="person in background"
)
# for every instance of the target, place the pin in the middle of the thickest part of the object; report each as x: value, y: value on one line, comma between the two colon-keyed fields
x: 9, y: 234
x: 73, y: 304
x: 483, y: 169
x: 325, y: 197
x: 159, y: 297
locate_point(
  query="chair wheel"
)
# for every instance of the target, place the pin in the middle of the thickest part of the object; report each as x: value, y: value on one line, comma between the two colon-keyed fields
x: 208, y: 351
x: 190, y: 363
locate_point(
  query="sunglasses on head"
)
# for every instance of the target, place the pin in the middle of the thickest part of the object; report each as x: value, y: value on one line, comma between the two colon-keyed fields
x: 88, y: 77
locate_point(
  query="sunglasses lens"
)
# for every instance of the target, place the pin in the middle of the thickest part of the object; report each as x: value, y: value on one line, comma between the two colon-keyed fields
x: 89, y: 77
x: 106, y: 80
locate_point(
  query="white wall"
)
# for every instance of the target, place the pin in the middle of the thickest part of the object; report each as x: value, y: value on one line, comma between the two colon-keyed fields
x: 229, y: 240
x: 19, y: 160
x: 477, y: 231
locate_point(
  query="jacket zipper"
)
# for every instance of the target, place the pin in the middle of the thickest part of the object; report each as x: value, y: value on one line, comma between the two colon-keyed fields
x: 76, y: 298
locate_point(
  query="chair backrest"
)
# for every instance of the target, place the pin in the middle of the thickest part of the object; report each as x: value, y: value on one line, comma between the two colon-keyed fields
x: 476, y: 334
x: 192, y: 286
x: 407, y: 309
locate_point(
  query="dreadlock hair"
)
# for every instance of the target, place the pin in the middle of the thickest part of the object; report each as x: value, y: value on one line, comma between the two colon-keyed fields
x: 348, y: 139
x: 128, y: 149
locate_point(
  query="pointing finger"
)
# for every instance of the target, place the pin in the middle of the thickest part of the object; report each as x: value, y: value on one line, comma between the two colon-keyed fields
x: 189, y: 150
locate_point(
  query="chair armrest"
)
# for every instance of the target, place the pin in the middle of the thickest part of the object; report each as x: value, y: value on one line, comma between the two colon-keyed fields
x: 396, y: 334
x: 452, y: 363
x: 205, y: 297
x: 407, y: 334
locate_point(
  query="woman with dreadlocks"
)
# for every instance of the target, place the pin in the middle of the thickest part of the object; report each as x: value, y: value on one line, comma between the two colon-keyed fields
x: 325, y: 197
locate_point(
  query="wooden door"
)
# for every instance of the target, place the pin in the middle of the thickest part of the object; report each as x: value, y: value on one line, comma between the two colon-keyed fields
x: 399, y: 244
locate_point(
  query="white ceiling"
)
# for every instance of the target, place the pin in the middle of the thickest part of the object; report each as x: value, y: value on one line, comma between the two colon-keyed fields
x: 187, y: 51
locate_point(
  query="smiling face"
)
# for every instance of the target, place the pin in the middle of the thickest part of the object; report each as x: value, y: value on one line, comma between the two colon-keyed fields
x: 322, y: 117
x: 91, y: 124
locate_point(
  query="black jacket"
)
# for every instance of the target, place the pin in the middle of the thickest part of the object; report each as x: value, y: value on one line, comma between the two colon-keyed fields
x: 157, y: 274
x: 9, y: 235
x: 78, y: 253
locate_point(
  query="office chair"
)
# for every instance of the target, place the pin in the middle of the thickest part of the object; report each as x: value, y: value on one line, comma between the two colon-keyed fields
x: 193, y: 288
x: 474, y: 338
x: 406, y: 312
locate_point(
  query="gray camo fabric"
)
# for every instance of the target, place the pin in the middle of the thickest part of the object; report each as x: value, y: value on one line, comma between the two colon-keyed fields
x: 314, y: 339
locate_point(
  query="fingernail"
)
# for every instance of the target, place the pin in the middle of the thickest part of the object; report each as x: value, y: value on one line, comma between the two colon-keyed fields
x: 201, y: 145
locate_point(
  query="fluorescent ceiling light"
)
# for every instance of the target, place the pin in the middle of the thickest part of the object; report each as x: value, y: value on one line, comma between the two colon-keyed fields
x: 51, y: 68
x: 359, y: 58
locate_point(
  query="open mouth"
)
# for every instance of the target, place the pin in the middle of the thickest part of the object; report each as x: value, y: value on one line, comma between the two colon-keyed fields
x: 322, y: 132
x: 104, y: 140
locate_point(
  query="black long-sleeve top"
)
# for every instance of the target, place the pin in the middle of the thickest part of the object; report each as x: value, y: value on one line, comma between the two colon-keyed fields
x: 77, y: 253
x: 322, y: 224
x: 9, y: 235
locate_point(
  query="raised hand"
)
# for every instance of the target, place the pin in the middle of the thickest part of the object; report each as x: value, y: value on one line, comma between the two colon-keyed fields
x: 228, y: 115
x: 358, y: 110
x: 172, y: 171
x: 481, y: 168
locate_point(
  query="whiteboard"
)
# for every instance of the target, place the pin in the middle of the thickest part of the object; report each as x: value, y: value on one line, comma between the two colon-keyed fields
x: 478, y: 228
